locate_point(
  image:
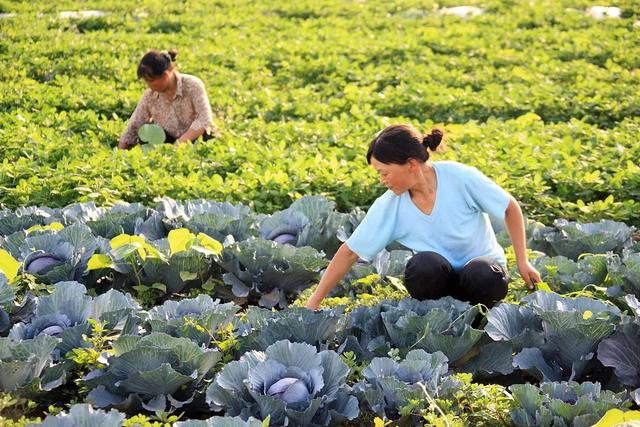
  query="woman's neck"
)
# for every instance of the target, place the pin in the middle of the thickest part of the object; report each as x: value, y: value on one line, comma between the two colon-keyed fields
x: 427, y: 182
x: 173, y: 86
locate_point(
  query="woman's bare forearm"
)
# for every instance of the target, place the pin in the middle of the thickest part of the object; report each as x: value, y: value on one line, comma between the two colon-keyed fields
x: 514, y: 221
x: 190, y: 135
x: 338, y: 267
x: 515, y: 226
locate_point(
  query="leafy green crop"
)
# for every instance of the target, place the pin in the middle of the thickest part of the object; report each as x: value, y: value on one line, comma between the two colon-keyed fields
x: 540, y: 96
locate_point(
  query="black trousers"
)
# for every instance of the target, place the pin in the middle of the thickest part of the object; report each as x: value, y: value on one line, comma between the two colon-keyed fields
x: 171, y: 139
x: 429, y: 275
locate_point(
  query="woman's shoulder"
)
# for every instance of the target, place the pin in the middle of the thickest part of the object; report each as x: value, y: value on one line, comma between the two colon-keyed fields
x: 457, y: 174
x: 191, y: 81
x: 462, y: 176
x: 148, y: 96
x: 389, y: 196
x: 386, y: 199
x: 453, y: 167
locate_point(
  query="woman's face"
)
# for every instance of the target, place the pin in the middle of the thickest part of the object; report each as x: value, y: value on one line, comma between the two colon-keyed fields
x: 161, y: 83
x: 397, y: 178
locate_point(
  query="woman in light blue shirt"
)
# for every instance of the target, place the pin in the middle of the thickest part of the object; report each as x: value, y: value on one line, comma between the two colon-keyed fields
x: 440, y: 210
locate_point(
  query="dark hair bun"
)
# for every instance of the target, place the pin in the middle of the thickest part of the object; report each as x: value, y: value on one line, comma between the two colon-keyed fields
x: 172, y: 54
x: 433, y: 139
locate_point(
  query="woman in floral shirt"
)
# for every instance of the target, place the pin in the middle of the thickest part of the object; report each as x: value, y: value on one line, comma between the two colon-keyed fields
x: 174, y: 101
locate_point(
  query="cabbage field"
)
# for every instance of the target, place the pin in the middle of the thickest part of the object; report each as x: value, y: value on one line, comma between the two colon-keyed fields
x: 165, y: 286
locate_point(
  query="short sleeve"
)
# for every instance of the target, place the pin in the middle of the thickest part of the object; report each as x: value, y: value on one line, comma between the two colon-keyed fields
x: 376, y: 230
x: 485, y: 195
x: 200, y: 100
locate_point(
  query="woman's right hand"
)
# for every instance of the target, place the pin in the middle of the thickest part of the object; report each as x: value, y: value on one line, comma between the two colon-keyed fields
x: 529, y: 274
x: 312, y: 305
x: 338, y: 267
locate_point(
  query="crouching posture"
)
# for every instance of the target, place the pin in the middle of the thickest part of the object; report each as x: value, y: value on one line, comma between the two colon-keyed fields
x: 440, y: 210
x: 174, y: 101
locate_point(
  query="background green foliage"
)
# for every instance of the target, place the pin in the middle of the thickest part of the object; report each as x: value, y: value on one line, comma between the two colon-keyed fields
x: 538, y: 95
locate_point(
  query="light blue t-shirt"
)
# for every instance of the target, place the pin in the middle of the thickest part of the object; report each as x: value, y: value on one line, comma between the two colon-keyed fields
x: 458, y: 227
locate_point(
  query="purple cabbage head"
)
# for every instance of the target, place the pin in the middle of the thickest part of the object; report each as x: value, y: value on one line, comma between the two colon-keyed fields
x: 289, y: 389
x: 42, y: 262
x: 285, y: 239
x: 52, y: 331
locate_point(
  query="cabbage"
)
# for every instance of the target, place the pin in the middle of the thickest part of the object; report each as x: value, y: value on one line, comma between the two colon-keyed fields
x: 554, y: 338
x: 52, y: 330
x: 433, y: 325
x: 291, y: 382
x: 571, y: 239
x: 565, y: 275
x: 284, y: 238
x: 5, y: 322
x: 156, y: 372
x: 26, y: 217
x: 309, y: 221
x: 562, y: 404
x: 385, y: 264
x: 624, y: 273
x: 7, y: 297
x: 284, y: 227
x: 65, y: 312
x: 267, y: 273
x: 25, y: 366
x: 621, y: 351
x: 123, y: 218
x: 177, y: 271
x: 199, y: 319
x: 83, y: 415
x: 214, y: 219
x: 55, y: 256
x: 40, y: 262
x: 365, y: 334
x: 113, y: 308
x: 388, y: 385
x: 290, y: 390
x: 221, y: 422
x: 265, y: 327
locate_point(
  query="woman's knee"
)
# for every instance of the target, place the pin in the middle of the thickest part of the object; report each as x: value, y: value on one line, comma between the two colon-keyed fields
x: 428, y: 275
x: 428, y: 264
x: 484, y: 281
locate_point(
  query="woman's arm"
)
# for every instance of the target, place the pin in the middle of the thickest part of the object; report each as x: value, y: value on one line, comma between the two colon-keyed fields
x: 204, y: 117
x: 338, y: 267
x: 515, y: 226
x: 140, y: 116
x: 190, y: 135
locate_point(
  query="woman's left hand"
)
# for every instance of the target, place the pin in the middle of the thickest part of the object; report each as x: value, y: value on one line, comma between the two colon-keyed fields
x: 529, y: 273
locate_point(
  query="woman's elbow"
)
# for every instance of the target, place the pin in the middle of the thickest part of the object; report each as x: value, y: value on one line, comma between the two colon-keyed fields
x: 513, y: 208
x: 348, y: 253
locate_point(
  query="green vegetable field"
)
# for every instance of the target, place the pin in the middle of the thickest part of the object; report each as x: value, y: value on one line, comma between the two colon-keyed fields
x: 146, y: 288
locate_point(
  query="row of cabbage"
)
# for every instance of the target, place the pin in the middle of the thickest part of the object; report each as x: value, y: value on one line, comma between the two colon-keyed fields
x: 548, y: 337
x: 533, y: 398
x: 262, y: 259
x: 287, y: 365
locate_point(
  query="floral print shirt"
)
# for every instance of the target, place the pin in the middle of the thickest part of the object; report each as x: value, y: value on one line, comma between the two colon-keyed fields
x: 189, y: 109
